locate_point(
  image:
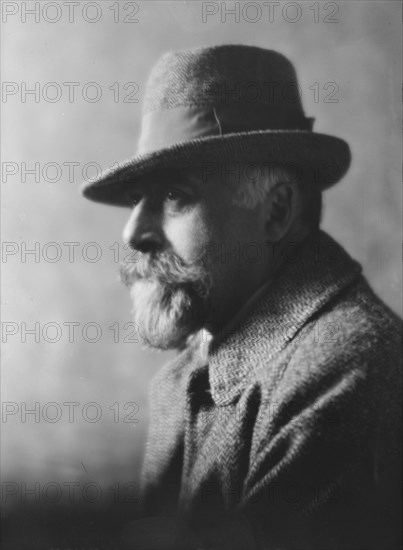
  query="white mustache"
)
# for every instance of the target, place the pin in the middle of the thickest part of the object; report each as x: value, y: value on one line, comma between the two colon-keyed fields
x: 167, y: 269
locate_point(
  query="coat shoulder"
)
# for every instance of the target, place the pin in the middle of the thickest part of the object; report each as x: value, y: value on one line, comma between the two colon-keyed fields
x: 357, y: 327
x: 354, y: 333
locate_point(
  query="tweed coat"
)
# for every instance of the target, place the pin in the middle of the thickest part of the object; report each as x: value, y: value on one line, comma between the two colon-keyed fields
x: 286, y: 434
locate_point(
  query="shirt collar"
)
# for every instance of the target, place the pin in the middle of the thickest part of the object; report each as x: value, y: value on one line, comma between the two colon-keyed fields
x: 274, y: 314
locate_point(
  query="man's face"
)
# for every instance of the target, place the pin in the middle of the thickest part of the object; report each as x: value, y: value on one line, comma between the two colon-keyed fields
x: 194, y: 265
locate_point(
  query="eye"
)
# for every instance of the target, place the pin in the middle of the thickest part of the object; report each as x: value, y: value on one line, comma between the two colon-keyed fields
x: 134, y: 199
x: 175, y: 195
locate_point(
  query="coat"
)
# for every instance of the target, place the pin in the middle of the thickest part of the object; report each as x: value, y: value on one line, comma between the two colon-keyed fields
x: 287, y: 434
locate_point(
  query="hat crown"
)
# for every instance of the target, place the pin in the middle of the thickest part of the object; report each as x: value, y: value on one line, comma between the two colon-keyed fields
x: 229, y: 74
x: 209, y: 104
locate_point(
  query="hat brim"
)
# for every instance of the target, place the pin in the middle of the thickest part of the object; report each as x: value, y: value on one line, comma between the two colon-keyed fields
x: 326, y: 159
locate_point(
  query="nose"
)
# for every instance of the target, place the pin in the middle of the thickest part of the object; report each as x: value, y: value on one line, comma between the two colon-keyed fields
x: 143, y: 231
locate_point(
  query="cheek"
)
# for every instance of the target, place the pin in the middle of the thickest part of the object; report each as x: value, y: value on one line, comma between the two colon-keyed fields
x: 206, y: 228
x: 189, y: 233
x: 241, y: 226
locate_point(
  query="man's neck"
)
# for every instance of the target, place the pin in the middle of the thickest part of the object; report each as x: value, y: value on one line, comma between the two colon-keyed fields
x: 243, y: 301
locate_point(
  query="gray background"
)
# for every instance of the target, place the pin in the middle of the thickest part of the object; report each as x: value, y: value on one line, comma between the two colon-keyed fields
x: 361, y: 53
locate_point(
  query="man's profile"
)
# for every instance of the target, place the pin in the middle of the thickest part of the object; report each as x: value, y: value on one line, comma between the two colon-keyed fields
x: 276, y: 425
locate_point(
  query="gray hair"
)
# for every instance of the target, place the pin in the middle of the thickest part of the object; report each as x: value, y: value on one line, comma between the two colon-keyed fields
x: 259, y: 179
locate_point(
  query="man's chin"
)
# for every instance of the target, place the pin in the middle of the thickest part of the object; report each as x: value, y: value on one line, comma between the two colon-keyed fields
x: 166, y: 315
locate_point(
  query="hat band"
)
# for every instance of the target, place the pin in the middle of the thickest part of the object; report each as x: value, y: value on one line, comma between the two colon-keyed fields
x: 168, y: 127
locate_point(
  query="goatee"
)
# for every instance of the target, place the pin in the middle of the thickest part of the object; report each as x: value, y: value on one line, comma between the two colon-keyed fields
x: 169, y: 298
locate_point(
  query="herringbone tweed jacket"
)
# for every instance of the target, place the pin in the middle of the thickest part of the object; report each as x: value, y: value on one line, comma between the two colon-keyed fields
x: 287, y: 435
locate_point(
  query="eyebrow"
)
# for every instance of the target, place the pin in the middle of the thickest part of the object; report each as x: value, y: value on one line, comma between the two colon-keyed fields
x: 161, y: 180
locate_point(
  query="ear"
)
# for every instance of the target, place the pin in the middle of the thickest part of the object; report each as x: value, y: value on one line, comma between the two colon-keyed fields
x: 282, y: 203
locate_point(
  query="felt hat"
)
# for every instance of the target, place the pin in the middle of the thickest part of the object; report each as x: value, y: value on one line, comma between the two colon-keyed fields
x: 229, y: 103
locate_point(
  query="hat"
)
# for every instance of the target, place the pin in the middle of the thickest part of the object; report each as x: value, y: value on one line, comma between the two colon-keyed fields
x: 232, y: 103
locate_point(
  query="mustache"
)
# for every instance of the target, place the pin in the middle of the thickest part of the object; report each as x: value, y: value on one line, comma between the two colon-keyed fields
x: 167, y: 268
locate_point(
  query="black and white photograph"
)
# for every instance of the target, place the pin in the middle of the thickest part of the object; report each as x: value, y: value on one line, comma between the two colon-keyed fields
x: 201, y: 266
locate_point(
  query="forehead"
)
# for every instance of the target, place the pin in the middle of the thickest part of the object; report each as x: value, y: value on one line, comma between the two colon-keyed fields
x: 220, y: 175
x: 192, y: 177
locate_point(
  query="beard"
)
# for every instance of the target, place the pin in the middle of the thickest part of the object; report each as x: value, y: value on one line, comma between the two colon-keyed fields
x: 169, y: 298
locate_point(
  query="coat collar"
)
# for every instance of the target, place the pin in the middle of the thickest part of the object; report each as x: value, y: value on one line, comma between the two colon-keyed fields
x: 304, y: 284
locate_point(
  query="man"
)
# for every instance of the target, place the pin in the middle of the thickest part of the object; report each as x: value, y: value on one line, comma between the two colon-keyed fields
x: 276, y: 426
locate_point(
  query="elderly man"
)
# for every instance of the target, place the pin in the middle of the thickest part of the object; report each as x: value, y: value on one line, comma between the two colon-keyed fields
x: 276, y: 425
